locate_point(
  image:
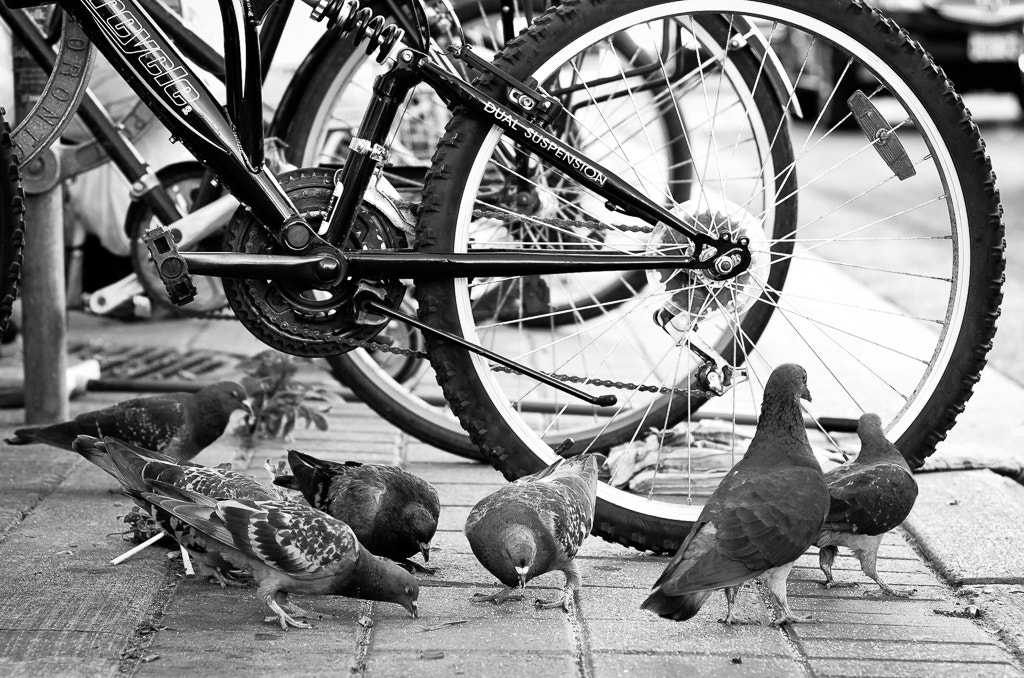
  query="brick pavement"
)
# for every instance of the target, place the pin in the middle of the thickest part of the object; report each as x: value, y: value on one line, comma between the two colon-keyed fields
x: 67, y: 612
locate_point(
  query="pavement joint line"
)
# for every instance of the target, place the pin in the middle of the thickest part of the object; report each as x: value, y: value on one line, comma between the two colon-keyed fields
x: 915, y: 598
x: 39, y: 497
x: 899, y: 641
x: 912, y: 660
x: 364, y: 641
x: 791, y: 639
x: 581, y: 634
x: 146, y: 630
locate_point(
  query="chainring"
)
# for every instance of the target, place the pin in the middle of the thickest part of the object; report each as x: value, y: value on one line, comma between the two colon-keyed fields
x: 307, y: 322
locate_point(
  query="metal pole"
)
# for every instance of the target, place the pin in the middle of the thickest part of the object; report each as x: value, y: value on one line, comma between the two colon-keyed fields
x: 44, y: 312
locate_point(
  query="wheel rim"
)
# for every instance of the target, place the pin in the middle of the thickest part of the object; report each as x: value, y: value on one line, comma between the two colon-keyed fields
x: 898, y: 419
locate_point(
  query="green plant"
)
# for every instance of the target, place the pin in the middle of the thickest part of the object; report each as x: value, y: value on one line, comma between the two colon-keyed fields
x: 279, y: 401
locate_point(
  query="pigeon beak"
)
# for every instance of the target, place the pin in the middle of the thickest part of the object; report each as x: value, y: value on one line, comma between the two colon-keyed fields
x: 425, y: 551
x: 414, y: 609
x: 247, y: 407
x: 521, y: 571
x: 807, y: 395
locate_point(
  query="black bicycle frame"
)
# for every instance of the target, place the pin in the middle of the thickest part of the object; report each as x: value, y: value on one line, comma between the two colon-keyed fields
x: 156, y: 71
x: 231, y: 145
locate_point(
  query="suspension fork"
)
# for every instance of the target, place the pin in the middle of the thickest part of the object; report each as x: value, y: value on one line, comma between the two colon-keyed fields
x: 369, y: 149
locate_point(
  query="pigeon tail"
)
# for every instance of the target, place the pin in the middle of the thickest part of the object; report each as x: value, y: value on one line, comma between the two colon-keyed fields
x: 312, y: 477
x: 60, y: 435
x: 95, y: 452
x: 678, y: 608
x: 287, y: 481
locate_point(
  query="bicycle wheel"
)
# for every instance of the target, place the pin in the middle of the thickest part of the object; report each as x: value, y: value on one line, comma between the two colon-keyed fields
x: 319, y: 133
x: 12, y: 223
x: 901, y: 329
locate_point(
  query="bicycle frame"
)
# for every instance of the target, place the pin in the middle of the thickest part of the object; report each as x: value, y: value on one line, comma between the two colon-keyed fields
x: 230, y: 144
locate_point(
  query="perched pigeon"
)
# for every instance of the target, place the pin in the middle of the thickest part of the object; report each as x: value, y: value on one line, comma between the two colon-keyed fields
x: 536, y: 525
x: 180, y: 425
x: 768, y: 509
x: 869, y: 496
x: 393, y: 513
x: 139, y: 469
x: 289, y: 548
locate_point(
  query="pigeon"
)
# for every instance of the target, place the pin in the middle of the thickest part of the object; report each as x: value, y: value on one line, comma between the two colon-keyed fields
x: 536, y: 525
x: 868, y: 497
x: 180, y: 425
x: 288, y: 548
x: 393, y: 513
x: 139, y: 469
x: 765, y: 513
x: 135, y: 467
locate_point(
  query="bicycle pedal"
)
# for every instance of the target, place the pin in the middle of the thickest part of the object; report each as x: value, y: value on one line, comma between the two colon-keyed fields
x: 170, y: 265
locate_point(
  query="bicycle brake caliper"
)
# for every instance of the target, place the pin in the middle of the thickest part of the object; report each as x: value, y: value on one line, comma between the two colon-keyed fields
x: 170, y: 266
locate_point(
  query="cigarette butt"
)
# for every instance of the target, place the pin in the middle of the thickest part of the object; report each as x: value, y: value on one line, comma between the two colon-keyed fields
x: 128, y: 554
x: 189, y: 572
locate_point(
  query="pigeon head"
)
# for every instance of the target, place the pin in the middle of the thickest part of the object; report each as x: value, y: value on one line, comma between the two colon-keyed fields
x: 869, y: 426
x: 787, y: 381
x: 229, y: 396
x: 421, y: 528
x: 873, y: 443
x: 521, y: 551
x: 398, y: 586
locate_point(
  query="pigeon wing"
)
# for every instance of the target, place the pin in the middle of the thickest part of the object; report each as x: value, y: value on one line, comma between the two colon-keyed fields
x: 152, y: 422
x: 290, y: 537
x: 763, y: 522
x: 869, y: 500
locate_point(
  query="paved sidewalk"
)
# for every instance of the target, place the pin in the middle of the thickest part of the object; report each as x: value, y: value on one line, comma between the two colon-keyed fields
x: 68, y: 612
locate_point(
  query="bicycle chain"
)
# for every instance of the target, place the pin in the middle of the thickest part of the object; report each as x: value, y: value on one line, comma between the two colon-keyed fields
x: 370, y: 345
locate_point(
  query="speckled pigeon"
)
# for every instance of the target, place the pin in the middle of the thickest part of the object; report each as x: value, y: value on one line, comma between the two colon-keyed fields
x: 289, y: 548
x: 765, y: 513
x: 869, y: 496
x: 393, y: 512
x: 139, y: 469
x: 536, y: 525
x: 180, y: 425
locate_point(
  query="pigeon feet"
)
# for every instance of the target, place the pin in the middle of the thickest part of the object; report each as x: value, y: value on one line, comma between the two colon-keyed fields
x: 300, y: 613
x: 287, y: 621
x: 284, y: 618
x: 833, y: 584
x: 735, y: 620
x: 216, y: 576
x: 496, y: 598
x: 889, y: 592
x: 561, y: 601
x: 792, y: 619
x: 414, y: 567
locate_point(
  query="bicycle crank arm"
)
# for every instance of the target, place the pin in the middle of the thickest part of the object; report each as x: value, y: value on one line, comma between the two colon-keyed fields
x: 493, y: 263
x: 316, y: 270
x: 600, y: 401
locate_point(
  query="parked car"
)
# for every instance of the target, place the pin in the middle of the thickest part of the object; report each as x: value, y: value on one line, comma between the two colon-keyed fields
x: 979, y: 44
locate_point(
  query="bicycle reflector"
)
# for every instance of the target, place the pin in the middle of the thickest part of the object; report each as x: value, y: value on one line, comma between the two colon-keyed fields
x: 170, y: 266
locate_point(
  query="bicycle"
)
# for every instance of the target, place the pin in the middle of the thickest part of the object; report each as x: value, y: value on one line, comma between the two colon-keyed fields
x: 518, y: 193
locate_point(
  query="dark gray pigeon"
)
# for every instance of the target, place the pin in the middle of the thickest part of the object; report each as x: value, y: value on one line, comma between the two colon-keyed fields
x: 768, y: 509
x: 288, y: 548
x: 393, y: 512
x: 536, y: 525
x: 180, y: 425
x: 868, y: 497
x: 139, y: 470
